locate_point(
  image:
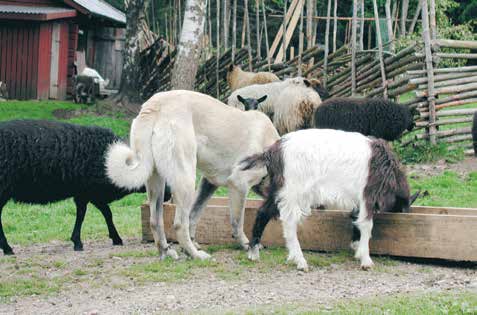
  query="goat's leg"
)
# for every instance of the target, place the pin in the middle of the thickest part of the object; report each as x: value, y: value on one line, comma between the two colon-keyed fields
x: 155, y: 187
x: 81, y: 206
x: 365, y: 225
x: 206, y: 190
x: 108, y: 217
x: 237, y: 211
x: 295, y: 255
x: 266, y: 212
x: 7, y: 250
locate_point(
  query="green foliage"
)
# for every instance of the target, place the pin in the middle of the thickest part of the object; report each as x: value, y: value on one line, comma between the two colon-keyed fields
x: 423, y: 152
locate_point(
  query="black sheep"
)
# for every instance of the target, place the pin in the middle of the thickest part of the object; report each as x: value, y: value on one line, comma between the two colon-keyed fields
x: 369, y: 116
x: 47, y: 161
x: 474, y: 133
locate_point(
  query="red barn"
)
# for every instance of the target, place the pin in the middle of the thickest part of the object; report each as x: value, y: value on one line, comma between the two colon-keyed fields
x: 41, y: 41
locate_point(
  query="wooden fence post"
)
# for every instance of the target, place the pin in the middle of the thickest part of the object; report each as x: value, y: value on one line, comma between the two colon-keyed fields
x: 353, y: 47
x: 327, y: 36
x: 266, y: 34
x: 426, y: 36
x: 380, y: 48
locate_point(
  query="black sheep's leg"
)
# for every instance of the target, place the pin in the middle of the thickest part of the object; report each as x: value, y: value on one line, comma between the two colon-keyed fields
x: 80, y: 213
x: 356, y: 233
x: 7, y: 250
x: 108, y: 216
x: 206, y: 190
x: 266, y: 212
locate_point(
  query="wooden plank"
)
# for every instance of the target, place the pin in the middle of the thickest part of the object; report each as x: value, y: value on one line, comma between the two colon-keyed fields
x: 409, y: 235
x: 444, y: 210
x: 471, y: 44
x: 289, y: 30
x: 279, y: 35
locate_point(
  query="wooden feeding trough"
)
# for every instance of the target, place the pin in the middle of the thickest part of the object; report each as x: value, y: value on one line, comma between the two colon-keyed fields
x: 426, y: 232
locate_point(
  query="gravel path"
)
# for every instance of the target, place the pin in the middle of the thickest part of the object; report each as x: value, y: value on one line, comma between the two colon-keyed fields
x: 107, y: 289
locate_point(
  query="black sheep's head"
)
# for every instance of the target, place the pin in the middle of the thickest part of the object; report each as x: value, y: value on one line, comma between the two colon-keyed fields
x: 412, y: 112
x: 251, y: 103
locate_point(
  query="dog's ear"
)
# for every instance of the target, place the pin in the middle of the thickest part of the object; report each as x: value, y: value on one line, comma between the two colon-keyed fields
x: 231, y: 68
x: 262, y: 99
x: 241, y: 99
x: 307, y: 82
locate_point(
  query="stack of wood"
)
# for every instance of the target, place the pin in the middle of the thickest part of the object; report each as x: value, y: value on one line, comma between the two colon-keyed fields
x: 454, y: 86
x: 368, y: 77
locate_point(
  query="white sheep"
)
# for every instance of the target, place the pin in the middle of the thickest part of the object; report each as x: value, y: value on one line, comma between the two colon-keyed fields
x: 89, y: 72
x: 290, y: 104
x: 176, y: 131
x: 334, y: 169
x: 237, y: 78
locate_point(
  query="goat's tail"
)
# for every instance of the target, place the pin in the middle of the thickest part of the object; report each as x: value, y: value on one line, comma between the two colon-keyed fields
x: 272, y: 159
x: 130, y: 167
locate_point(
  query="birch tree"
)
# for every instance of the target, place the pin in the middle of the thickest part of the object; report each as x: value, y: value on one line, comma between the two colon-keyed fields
x: 187, y: 59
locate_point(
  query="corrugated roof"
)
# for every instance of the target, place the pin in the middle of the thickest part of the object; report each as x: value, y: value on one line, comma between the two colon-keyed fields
x: 101, y: 8
x: 4, y: 8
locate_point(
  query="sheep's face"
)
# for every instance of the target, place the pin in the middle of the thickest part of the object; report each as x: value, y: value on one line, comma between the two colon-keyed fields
x: 412, y: 124
x: 403, y: 204
x: 251, y: 103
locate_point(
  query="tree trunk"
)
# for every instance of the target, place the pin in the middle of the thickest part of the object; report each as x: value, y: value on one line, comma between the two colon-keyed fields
x: 426, y: 36
x: 128, y: 95
x: 361, y: 27
x: 404, y: 9
x: 432, y: 19
x: 335, y: 24
x: 327, y: 45
x: 380, y: 47
x: 249, y: 40
x: 389, y: 24
x: 234, y: 30
x: 257, y: 21
x: 284, y: 45
x: 266, y: 34
x: 309, y: 23
x: 225, y: 39
x: 353, y: 47
x: 187, y: 58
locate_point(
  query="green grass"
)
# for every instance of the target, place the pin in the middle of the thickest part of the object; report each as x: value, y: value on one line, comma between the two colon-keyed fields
x: 418, y: 304
x: 447, y: 189
x: 33, y: 109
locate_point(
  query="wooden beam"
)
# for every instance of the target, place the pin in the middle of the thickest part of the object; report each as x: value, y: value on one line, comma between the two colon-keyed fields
x: 289, y: 31
x: 470, y: 44
x: 426, y: 232
x: 279, y: 35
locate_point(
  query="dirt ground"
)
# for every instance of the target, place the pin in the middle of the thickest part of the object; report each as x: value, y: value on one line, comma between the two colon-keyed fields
x: 462, y: 168
x: 122, y: 280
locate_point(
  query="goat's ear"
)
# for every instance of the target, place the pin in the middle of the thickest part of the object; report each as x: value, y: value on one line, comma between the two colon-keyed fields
x: 414, y: 197
x: 261, y: 99
x: 241, y: 99
x: 307, y: 82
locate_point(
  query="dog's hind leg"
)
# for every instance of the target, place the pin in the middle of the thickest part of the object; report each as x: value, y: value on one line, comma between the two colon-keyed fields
x: 239, y: 183
x: 155, y: 187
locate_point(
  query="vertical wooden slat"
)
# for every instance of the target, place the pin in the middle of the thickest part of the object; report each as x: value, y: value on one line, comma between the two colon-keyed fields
x: 3, y: 51
x: 8, y: 76
x: 35, y: 44
x: 28, y: 77
x: 23, y: 36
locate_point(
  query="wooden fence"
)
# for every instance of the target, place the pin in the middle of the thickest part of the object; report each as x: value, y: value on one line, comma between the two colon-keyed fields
x: 405, y: 79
